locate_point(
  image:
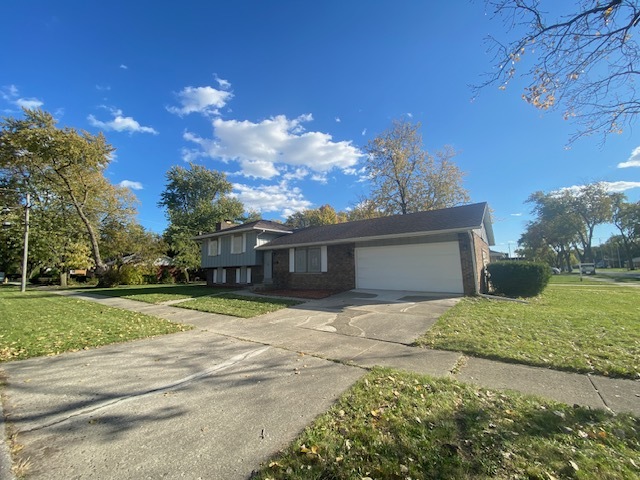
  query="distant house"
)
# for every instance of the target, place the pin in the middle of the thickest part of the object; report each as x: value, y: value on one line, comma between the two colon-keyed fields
x: 497, y: 256
x: 230, y: 256
x: 436, y: 251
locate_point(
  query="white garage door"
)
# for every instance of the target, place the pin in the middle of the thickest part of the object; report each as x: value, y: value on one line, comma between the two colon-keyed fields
x: 431, y: 267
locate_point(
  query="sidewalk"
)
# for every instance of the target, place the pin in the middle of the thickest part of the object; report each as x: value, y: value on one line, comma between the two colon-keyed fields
x: 617, y: 395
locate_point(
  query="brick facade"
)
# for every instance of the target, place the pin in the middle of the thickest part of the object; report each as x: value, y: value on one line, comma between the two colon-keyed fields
x: 471, y: 275
x: 340, y: 274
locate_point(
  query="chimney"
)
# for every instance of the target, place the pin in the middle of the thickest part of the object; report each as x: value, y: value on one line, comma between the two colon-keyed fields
x: 224, y: 225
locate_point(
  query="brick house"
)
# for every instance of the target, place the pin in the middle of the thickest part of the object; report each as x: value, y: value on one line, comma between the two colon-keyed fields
x: 436, y: 251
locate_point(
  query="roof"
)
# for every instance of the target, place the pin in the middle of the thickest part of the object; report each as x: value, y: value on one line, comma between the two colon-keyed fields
x: 266, y: 225
x: 446, y: 220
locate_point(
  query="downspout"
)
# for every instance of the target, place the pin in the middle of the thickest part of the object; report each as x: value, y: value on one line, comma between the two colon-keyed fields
x: 474, y: 263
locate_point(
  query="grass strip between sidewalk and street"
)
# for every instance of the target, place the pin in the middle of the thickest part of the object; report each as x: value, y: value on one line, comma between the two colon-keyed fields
x: 588, y: 329
x: 392, y: 424
x: 238, y: 305
x: 38, y: 323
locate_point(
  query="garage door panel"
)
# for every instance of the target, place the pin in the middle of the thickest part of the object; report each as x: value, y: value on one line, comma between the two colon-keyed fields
x: 433, y: 267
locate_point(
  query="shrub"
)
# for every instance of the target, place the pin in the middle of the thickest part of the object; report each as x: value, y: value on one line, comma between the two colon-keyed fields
x: 131, y: 275
x: 166, y: 276
x: 519, y: 279
x: 109, y: 279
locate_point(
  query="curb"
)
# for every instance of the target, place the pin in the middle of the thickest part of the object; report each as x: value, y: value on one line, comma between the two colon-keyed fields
x: 6, y: 462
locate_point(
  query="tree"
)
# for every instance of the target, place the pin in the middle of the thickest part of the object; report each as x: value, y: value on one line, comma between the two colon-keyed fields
x: 583, y: 58
x: 405, y: 178
x: 555, y: 227
x: 568, y: 218
x: 195, y: 198
x: 594, y: 205
x: 64, y: 165
x: 324, y: 215
x: 626, y: 218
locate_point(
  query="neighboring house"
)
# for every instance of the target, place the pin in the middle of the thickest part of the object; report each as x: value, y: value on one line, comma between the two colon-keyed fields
x: 497, y: 256
x: 436, y: 251
x: 229, y: 255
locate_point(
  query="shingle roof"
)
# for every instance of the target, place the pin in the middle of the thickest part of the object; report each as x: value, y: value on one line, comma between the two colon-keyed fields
x: 466, y: 217
x: 257, y: 225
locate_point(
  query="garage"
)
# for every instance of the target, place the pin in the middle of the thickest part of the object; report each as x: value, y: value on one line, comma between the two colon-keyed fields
x: 425, y: 267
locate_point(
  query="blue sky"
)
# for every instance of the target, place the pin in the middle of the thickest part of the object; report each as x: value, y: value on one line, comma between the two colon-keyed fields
x: 283, y: 95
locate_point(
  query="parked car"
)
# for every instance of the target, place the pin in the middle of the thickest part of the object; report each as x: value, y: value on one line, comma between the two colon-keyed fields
x: 555, y: 270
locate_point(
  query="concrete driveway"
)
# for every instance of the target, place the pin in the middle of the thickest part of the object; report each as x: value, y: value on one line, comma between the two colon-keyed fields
x: 390, y: 316
x: 211, y: 403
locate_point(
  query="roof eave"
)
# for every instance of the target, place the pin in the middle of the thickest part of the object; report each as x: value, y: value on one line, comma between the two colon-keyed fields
x: 267, y: 246
x: 239, y: 230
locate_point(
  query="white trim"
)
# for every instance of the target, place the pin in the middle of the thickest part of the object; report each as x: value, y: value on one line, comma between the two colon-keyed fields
x: 244, y: 242
x: 292, y: 260
x: 237, y: 275
x: 227, y: 232
x: 248, y: 274
x: 224, y: 275
x: 219, y: 246
x: 323, y: 258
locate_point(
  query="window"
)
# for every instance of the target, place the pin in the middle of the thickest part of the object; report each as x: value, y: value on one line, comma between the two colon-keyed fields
x: 213, y: 248
x: 308, y: 260
x: 238, y: 243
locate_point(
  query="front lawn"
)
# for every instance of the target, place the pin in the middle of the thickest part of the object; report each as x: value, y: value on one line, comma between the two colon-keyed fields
x: 591, y: 328
x: 395, y: 425
x: 37, y: 323
x: 237, y: 305
x: 158, y: 293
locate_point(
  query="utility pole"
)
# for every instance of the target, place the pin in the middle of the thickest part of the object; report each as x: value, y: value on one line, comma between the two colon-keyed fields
x: 25, y: 251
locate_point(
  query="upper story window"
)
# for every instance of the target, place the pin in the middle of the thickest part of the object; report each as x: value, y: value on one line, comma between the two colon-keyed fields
x: 213, y: 247
x: 239, y: 243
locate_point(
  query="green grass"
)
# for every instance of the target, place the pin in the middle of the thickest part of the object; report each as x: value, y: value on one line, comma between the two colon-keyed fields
x: 395, y: 425
x: 582, y: 328
x: 238, y: 305
x: 565, y: 278
x: 158, y: 293
x: 37, y: 323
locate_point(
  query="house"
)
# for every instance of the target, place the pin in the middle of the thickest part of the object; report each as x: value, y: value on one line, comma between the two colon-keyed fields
x: 436, y: 251
x: 230, y: 256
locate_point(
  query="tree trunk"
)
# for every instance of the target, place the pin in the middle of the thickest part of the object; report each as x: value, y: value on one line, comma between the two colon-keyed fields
x: 63, y: 278
x: 186, y: 275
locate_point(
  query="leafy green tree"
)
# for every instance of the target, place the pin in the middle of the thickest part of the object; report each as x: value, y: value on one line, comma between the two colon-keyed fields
x: 66, y: 165
x: 405, y: 178
x: 195, y: 199
x: 626, y: 218
x: 580, y: 56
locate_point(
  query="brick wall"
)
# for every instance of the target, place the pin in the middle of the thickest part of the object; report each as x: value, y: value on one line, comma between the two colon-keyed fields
x: 340, y: 274
x: 469, y: 274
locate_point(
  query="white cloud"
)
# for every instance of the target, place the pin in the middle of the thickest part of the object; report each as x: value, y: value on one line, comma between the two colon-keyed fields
x: 516, y: 214
x: 364, y: 132
x: 621, y: 186
x: 271, y: 198
x: 409, y: 114
x: 204, y: 100
x: 123, y: 66
x: 120, y: 123
x: 611, y: 187
x: 633, y: 160
x: 259, y: 147
x: 297, y: 174
x: 103, y: 88
x: 11, y: 94
x: 338, y: 119
x: 130, y: 184
x: 222, y: 83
